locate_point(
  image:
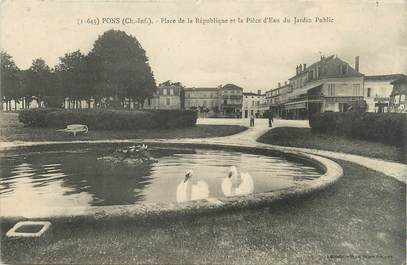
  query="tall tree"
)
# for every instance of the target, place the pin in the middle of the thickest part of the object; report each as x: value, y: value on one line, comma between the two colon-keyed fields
x: 120, y: 68
x: 73, y: 77
x: 39, y: 80
x: 9, y: 80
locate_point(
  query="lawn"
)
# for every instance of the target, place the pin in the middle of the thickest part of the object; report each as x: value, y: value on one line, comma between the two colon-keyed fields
x: 303, y: 137
x: 358, y: 220
x: 12, y: 130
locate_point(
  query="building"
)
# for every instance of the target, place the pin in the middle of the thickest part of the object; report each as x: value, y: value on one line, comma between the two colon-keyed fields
x: 254, y: 104
x: 378, y: 89
x: 276, y: 98
x: 329, y: 84
x: 398, y: 102
x: 168, y: 96
x: 231, y: 100
x: 204, y: 99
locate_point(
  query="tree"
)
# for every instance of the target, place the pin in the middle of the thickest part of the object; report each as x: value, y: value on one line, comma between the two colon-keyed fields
x: 119, y: 68
x: 73, y: 77
x: 10, y: 81
x: 39, y: 80
x: 358, y: 106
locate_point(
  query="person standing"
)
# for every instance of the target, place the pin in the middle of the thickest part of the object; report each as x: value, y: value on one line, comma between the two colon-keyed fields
x: 251, y: 119
x: 271, y: 118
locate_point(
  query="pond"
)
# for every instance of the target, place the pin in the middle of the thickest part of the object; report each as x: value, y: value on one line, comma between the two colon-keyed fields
x: 35, y: 180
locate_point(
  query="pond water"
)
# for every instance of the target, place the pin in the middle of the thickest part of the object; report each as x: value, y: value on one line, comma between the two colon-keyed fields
x: 37, y: 179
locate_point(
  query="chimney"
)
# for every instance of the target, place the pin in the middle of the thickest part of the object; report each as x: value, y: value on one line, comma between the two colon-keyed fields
x: 357, y: 63
x: 285, y: 83
x: 296, y: 70
x: 300, y: 69
x: 279, y: 84
x: 258, y: 92
x: 305, y: 66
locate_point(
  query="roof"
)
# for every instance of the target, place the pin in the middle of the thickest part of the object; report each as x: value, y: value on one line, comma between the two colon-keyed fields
x: 280, y: 87
x: 330, y: 65
x: 201, y: 89
x: 388, y: 77
x: 231, y: 87
x: 252, y: 94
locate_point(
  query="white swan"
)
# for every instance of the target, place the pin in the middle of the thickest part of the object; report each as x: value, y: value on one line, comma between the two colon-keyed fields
x: 237, y: 183
x: 188, y: 191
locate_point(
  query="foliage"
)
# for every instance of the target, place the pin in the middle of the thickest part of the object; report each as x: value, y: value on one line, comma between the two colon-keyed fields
x: 175, y: 118
x: 39, y: 80
x: 73, y: 76
x: 53, y: 101
x: 34, y: 117
x: 120, y: 67
x: 383, y: 127
x: 105, y: 119
x: 359, y: 106
x: 10, y: 82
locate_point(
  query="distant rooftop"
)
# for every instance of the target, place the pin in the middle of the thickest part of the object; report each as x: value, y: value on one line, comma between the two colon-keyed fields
x: 252, y: 94
x: 201, y: 88
x: 389, y: 77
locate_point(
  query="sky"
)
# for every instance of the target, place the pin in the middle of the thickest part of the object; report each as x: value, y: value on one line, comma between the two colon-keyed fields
x: 251, y: 55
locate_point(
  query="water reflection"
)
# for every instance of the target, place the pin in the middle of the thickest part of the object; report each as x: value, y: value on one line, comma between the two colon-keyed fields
x: 191, y: 188
x: 35, y: 180
x: 237, y: 183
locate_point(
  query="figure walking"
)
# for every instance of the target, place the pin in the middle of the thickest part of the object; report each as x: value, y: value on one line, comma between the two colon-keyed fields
x: 271, y: 118
x: 252, y: 120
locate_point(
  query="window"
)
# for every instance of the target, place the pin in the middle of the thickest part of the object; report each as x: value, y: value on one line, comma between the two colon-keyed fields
x: 331, y: 90
x: 356, y: 89
x: 369, y: 91
x: 171, y: 91
x: 164, y: 91
x: 168, y: 101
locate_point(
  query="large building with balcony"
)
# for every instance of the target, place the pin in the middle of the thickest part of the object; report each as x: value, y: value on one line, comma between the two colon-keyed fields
x: 231, y: 100
x: 329, y: 84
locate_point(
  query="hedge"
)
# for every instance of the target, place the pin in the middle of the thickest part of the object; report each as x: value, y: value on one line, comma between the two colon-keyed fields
x: 390, y: 128
x: 103, y: 119
x: 34, y: 117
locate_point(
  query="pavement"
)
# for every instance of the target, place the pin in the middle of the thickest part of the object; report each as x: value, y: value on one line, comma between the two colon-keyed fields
x: 249, y: 137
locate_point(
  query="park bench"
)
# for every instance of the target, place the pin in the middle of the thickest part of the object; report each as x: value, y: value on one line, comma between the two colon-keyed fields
x: 75, y: 128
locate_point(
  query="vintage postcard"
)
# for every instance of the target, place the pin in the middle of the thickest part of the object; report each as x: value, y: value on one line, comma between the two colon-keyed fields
x: 203, y: 132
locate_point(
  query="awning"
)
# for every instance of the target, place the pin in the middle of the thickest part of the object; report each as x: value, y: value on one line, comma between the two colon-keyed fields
x: 295, y: 105
x: 305, y: 89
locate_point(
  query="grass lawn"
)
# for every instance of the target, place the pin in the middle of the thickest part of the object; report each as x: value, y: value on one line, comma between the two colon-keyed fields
x: 12, y: 130
x: 363, y: 215
x: 303, y: 137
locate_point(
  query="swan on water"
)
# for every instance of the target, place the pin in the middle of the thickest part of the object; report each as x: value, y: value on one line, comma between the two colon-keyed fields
x: 191, y: 189
x: 237, y: 183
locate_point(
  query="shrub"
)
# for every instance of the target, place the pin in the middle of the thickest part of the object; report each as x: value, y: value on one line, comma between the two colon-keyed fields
x: 102, y: 119
x: 175, y: 118
x: 383, y: 127
x: 34, y: 117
